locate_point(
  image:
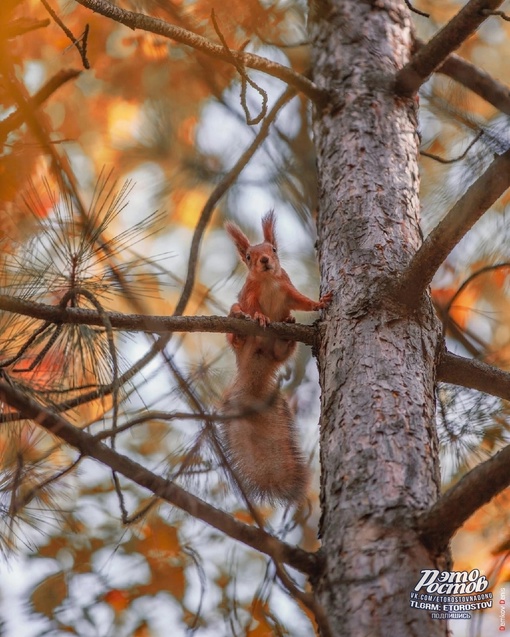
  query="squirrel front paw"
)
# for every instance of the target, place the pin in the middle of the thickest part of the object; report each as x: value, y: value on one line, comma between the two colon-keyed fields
x: 261, y: 319
x: 325, y: 300
x: 235, y: 313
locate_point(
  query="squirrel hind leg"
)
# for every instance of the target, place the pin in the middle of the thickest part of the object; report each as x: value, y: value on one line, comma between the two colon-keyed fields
x: 283, y: 350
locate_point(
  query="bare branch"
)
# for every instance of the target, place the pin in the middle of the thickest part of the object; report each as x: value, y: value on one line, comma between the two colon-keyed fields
x: 474, y: 374
x: 155, y: 324
x: 160, y: 415
x: 414, y: 10
x: 448, y: 39
x: 465, y: 213
x: 164, y: 489
x: 500, y: 14
x: 474, y: 490
x: 178, y: 34
x: 478, y: 81
x: 80, y: 46
x: 441, y: 160
x: 245, y: 79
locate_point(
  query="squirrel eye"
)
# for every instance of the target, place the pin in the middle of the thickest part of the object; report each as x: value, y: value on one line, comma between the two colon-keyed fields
x: 274, y: 250
x: 248, y: 257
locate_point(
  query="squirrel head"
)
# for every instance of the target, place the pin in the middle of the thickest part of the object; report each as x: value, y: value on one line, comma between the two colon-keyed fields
x: 262, y: 257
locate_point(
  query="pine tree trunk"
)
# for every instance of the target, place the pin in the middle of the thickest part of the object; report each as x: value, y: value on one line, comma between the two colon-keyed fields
x: 379, y: 449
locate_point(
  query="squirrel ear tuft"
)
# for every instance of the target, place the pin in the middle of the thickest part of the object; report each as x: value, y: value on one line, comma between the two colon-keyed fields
x: 269, y: 228
x: 241, y: 241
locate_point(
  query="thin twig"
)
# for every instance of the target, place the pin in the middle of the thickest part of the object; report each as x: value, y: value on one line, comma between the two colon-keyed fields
x: 441, y: 160
x: 462, y: 336
x: 500, y: 14
x: 165, y: 489
x: 307, y: 599
x: 81, y: 47
x: 245, y: 79
x: 147, y: 417
x: 428, y: 58
x: 414, y: 10
x: 32, y: 493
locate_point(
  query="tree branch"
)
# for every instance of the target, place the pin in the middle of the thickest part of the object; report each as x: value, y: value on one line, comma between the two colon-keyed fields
x: 162, y: 488
x: 474, y: 490
x: 465, y: 213
x: 427, y: 59
x: 14, y: 120
x: 460, y: 157
x: 155, y: 324
x: 178, y: 34
x: 474, y: 374
x: 81, y: 47
x: 478, y: 81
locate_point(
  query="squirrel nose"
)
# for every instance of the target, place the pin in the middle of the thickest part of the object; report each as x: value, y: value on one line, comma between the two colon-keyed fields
x: 264, y: 260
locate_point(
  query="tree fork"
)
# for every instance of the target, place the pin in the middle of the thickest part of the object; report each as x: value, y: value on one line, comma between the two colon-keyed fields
x: 379, y: 451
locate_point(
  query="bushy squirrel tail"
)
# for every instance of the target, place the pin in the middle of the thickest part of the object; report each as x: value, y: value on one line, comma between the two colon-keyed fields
x: 260, y: 439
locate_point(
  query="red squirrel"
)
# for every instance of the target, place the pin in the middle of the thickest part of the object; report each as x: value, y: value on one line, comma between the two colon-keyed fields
x: 268, y: 293
x: 260, y: 439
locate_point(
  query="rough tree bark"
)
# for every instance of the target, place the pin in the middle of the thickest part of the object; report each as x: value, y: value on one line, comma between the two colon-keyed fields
x: 377, y: 359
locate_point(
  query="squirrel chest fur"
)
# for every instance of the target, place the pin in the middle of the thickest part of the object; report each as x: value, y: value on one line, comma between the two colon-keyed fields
x: 271, y: 299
